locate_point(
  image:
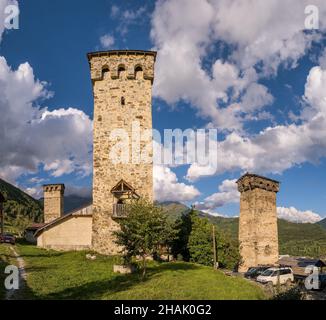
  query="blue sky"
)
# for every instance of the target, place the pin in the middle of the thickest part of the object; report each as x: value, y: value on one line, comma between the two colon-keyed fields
x: 211, y: 72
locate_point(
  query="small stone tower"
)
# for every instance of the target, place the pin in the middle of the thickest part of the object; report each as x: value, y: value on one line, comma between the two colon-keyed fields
x: 53, y: 201
x: 122, y: 88
x: 258, y: 234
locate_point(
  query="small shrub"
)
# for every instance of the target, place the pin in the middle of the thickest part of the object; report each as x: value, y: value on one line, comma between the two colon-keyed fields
x: 292, y: 294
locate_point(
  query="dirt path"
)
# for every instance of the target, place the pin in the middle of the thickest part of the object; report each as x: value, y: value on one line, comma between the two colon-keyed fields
x: 11, y: 294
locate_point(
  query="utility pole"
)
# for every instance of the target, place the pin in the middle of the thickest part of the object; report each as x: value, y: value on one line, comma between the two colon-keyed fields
x: 214, y: 249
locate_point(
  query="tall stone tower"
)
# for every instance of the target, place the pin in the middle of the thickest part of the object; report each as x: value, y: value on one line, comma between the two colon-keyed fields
x: 258, y: 234
x: 122, y: 88
x: 53, y: 201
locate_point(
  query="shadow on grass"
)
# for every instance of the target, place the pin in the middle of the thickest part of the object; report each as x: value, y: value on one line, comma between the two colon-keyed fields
x: 119, y: 283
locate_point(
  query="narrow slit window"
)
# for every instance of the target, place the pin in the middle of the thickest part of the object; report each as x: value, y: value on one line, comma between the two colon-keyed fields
x: 123, y: 101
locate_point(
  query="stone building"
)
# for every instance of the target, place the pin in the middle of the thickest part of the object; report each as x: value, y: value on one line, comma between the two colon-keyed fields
x: 122, y: 88
x: 61, y: 231
x: 258, y: 234
x: 72, y: 231
x: 53, y: 201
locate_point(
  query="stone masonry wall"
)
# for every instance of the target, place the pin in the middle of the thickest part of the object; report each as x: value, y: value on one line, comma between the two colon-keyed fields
x: 53, y: 201
x: 258, y: 234
x: 120, y: 99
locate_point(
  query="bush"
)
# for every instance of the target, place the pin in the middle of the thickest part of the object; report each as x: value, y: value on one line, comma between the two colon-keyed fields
x: 292, y: 294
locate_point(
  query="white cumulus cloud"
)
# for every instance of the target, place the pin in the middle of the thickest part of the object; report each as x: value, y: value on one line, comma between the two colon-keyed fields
x: 168, y: 188
x: 266, y: 33
x: 59, y: 140
x: 276, y: 149
x: 294, y: 215
x: 228, y: 193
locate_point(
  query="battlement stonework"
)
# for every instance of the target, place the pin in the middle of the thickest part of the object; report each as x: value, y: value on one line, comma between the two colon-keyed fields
x: 122, y: 88
x: 53, y: 201
x: 258, y: 232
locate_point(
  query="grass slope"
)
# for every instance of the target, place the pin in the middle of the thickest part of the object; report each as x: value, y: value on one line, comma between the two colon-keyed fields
x: 69, y: 275
x: 5, y: 260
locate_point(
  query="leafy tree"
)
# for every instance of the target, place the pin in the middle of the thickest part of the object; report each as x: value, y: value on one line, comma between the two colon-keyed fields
x: 228, y: 251
x: 144, y: 232
x: 200, y: 244
x: 183, y: 228
x: 195, y: 243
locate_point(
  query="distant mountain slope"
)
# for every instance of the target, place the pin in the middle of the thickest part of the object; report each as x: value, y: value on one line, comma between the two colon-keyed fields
x: 174, y: 209
x: 72, y: 202
x: 20, y: 203
x: 322, y: 223
x: 294, y: 238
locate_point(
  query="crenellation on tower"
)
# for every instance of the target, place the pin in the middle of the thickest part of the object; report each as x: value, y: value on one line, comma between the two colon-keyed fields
x: 129, y: 60
x: 253, y: 181
x: 258, y: 231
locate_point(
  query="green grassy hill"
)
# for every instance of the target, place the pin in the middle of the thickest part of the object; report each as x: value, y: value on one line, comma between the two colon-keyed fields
x: 19, y: 204
x: 322, y: 223
x: 300, y: 239
x: 69, y: 275
x: 174, y: 209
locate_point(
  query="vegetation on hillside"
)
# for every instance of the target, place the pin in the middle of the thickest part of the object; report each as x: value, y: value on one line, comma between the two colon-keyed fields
x: 322, y: 223
x: 194, y: 242
x: 69, y: 275
x: 297, y: 239
x: 20, y: 209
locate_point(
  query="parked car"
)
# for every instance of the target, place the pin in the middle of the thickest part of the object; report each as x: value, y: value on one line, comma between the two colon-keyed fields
x: 275, y: 275
x: 7, y: 238
x: 254, y: 272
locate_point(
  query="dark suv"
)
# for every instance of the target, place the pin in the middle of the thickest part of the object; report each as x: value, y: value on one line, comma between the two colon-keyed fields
x: 254, y: 272
x: 7, y: 238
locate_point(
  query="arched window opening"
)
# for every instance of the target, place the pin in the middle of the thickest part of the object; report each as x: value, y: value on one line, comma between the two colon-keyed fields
x: 123, y: 101
x: 121, y: 72
x: 105, y: 71
x: 139, y: 72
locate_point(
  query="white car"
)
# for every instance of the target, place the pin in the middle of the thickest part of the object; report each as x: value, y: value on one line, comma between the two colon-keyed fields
x: 275, y: 275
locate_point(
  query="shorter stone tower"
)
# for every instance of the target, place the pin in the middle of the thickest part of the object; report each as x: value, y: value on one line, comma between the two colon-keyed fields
x: 53, y: 201
x: 258, y: 234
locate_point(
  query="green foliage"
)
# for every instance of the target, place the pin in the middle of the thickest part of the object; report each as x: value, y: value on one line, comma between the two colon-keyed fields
x: 307, y: 248
x: 194, y: 242
x: 145, y: 232
x: 228, y: 254
x: 20, y: 209
x: 200, y: 244
x: 292, y: 294
x: 183, y: 228
x: 297, y: 239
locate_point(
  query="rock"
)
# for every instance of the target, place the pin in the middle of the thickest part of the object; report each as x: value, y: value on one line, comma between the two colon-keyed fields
x: 124, y: 269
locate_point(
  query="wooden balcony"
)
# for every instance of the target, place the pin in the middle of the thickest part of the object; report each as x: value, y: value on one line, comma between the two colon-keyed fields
x: 119, y: 211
